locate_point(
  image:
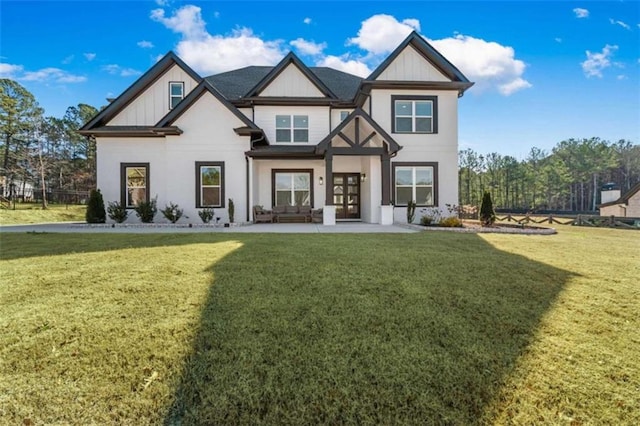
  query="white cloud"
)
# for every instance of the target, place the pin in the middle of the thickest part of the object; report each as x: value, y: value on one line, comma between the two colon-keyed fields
x: 622, y: 24
x: 145, y: 44
x: 308, y: 47
x: 596, y: 62
x: 116, y: 69
x: 487, y: 63
x: 382, y: 33
x: 581, y: 13
x: 51, y: 74
x: 162, y: 3
x: 216, y: 53
x: 343, y: 63
x: 558, y: 40
x: 307, y: 20
x: 89, y: 56
x: 9, y: 70
x: 68, y: 59
x: 621, y: 77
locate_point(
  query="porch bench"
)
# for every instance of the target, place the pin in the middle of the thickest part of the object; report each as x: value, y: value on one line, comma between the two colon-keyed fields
x: 292, y: 214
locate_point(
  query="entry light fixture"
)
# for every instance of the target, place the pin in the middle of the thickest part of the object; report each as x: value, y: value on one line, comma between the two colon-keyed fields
x: 320, y: 180
x: 363, y: 177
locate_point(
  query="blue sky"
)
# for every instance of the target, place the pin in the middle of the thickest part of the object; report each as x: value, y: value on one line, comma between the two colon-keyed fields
x: 545, y: 71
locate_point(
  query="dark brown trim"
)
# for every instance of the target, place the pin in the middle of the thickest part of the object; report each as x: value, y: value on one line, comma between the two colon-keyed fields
x: 416, y: 85
x: 291, y: 58
x: 434, y: 101
x: 367, y: 139
x: 414, y: 164
x: 282, y: 101
x: 132, y: 131
x: 138, y: 87
x: 184, y: 95
x: 123, y: 182
x: 200, y: 164
x: 273, y: 182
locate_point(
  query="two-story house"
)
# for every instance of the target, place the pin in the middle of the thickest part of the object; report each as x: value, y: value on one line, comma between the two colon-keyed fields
x: 360, y: 149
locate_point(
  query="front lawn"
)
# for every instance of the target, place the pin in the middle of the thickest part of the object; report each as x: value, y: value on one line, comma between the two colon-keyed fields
x: 25, y: 213
x: 320, y: 328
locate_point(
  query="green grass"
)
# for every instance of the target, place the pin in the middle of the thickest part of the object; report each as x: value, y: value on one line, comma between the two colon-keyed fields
x: 320, y: 328
x: 26, y: 213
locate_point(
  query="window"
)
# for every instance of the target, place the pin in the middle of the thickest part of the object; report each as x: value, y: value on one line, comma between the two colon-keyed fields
x: 414, y: 114
x: 134, y: 183
x: 292, y: 187
x: 343, y: 115
x: 415, y: 181
x: 292, y: 128
x: 176, y: 93
x: 209, y: 184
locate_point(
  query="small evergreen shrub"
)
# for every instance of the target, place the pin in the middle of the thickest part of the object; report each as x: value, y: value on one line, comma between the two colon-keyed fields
x: 411, y: 211
x: 206, y: 215
x: 117, y: 212
x: 95, y: 208
x: 426, y: 220
x: 172, y: 212
x: 146, y: 210
x: 487, y: 214
x: 450, y: 222
x: 232, y: 210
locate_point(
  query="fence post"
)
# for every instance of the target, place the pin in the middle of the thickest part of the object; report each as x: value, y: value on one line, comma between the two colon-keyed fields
x: 550, y: 219
x: 612, y: 220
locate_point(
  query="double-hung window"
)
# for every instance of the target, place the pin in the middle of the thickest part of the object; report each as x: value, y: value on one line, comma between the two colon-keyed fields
x: 209, y: 184
x: 134, y: 183
x: 415, y: 114
x: 176, y: 93
x: 292, y: 128
x: 417, y: 182
x: 292, y: 187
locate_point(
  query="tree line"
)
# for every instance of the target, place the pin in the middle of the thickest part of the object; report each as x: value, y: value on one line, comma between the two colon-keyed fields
x: 569, y: 177
x: 42, y: 151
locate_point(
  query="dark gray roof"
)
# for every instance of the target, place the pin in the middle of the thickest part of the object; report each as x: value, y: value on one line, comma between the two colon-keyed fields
x: 235, y: 84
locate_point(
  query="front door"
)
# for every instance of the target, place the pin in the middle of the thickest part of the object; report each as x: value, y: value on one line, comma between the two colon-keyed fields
x: 346, y: 195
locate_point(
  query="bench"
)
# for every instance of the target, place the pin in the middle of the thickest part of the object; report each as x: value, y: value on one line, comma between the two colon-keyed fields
x: 292, y: 214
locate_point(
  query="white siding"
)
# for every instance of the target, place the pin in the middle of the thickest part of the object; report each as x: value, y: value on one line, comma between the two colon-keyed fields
x: 153, y: 104
x: 262, y: 190
x: 411, y: 66
x: 208, y: 136
x: 265, y: 118
x: 293, y: 83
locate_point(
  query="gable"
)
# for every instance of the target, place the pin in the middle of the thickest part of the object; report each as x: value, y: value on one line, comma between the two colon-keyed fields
x: 409, y: 65
x: 153, y: 103
x: 291, y: 82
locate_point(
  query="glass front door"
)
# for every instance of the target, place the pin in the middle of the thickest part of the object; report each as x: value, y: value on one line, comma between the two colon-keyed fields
x: 346, y: 195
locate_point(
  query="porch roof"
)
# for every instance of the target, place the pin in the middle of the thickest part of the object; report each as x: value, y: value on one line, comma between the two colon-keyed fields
x: 289, y: 152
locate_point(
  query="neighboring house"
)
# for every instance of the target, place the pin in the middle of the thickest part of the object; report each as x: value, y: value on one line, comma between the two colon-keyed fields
x: 627, y: 205
x: 289, y: 134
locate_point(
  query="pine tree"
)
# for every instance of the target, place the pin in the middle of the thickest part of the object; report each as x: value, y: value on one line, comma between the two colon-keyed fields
x: 95, y: 208
x: 487, y: 215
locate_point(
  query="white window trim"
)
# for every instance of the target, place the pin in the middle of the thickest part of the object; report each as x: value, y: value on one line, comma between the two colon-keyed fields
x: 172, y: 96
x: 292, y: 128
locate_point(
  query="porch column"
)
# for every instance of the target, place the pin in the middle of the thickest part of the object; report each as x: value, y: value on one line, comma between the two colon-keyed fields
x: 328, y: 179
x: 385, y: 164
x: 250, y: 200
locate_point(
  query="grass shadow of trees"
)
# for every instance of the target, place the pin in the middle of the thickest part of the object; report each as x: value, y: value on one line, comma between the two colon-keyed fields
x: 361, y: 329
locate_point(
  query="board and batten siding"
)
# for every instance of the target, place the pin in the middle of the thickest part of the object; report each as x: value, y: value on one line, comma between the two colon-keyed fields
x: 153, y: 104
x: 291, y: 82
x: 410, y: 65
x: 265, y: 118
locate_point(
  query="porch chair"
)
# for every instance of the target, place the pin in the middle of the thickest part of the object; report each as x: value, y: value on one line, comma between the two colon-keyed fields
x: 262, y: 215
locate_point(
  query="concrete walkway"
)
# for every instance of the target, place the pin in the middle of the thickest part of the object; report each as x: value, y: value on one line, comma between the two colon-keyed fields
x: 299, y: 228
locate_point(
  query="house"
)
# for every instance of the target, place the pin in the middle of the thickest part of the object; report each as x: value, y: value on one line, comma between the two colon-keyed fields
x: 290, y: 134
x: 627, y: 205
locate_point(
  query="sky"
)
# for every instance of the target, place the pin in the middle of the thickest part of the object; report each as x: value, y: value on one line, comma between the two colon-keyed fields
x: 544, y: 71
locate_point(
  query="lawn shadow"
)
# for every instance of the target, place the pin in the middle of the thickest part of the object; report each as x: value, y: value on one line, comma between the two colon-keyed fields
x: 373, y: 329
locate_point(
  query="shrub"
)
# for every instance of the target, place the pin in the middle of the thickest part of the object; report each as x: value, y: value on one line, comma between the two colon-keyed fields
x: 411, y: 211
x: 117, y: 212
x: 487, y: 215
x: 95, y: 208
x: 146, y: 210
x: 450, y: 222
x: 206, y: 215
x: 232, y: 210
x: 172, y: 212
x: 430, y: 215
x: 426, y: 220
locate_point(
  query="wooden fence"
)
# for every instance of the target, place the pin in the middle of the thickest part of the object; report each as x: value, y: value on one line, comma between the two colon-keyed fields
x: 579, y: 220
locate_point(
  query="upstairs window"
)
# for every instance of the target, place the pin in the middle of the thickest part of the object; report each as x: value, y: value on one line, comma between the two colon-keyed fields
x: 292, y: 128
x: 417, y: 114
x: 176, y: 93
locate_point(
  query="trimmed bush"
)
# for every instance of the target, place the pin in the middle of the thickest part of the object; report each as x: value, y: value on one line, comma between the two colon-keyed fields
x: 172, y: 212
x: 232, y: 210
x: 95, y: 208
x: 450, y: 222
x: 426, y: 220
x: 487, y: 214
x: 146, y: 210
x: 117, y: 212
x: 411, y: 211
x: 206, y: 215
